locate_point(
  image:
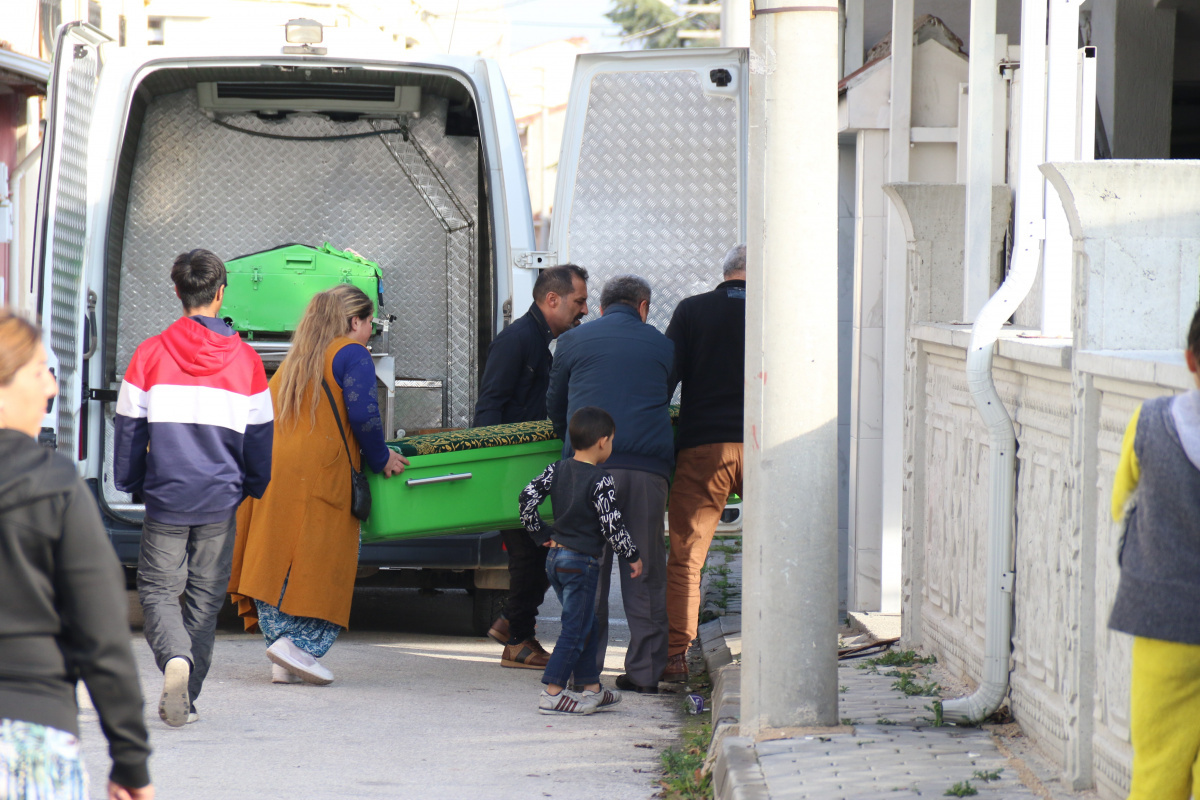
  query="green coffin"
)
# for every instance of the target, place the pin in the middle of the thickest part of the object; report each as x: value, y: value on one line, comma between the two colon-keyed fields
x: 464, y: 482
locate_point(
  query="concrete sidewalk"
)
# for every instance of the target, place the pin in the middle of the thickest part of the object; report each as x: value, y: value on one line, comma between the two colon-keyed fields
x: 888, y: 745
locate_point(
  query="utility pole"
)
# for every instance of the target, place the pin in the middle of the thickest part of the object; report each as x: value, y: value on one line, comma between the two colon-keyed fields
x: 789, y: 659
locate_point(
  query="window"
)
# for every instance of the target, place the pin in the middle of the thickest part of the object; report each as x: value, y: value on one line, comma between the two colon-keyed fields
x: 156, y: 26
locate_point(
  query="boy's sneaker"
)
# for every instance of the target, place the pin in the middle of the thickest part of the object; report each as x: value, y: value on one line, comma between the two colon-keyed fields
x: 565, y: 702
x: 603, y: 699
x: 293, y: 659
x: 175, y: 704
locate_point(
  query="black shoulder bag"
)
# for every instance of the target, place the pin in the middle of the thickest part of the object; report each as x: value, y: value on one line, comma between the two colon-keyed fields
x: 360, y: 490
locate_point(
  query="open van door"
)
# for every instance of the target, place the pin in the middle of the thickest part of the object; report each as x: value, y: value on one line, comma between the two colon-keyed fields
x: 652, y: 173
x: 60, y: 235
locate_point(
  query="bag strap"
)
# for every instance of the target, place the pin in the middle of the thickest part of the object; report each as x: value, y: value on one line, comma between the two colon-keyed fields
x: 337, y: 418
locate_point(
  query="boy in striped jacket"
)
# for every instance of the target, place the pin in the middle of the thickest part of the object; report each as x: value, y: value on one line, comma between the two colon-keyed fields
x: 193, y: 436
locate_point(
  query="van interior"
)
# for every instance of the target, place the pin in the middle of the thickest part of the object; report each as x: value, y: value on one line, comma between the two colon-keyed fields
x: 243, y: 159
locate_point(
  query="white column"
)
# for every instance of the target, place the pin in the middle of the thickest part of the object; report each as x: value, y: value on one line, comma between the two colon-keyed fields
x: 1062, y: 106
x: 895, y: 316
x: 977, y: 259
x: 789, y: 661
x: 735, y: 23
x: 864, y: 526
x: 853, y: 42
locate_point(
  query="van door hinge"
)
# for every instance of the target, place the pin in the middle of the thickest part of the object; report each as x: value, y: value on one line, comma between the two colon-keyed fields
x: 537, y: 259
x: 1006, y: 581
x: 103, y: 395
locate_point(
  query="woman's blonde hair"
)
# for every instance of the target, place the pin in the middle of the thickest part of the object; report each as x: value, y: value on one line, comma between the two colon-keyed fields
x: 18, y: 343
x: 327, y: 317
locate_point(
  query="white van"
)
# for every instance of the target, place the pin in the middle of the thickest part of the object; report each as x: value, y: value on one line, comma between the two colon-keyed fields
x: 416, y: 164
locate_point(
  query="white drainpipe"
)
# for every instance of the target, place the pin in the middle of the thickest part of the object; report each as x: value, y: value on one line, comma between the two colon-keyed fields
x: 1030, y: 230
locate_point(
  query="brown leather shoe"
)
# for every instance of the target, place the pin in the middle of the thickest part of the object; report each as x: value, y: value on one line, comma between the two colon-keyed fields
x: 677, y: 669
x: 529, y: 654
x: 499, y: 631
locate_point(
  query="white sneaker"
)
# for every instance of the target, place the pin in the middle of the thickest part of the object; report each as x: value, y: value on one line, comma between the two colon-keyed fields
x: 603, y: 699
x: 174, y: 704
x: 280, y: 674
x: 294, y: 660
x: 193, y: 716
x: 565, y: 702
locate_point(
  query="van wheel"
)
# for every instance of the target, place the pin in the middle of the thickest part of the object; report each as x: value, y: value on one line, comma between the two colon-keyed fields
x: 486, y: 605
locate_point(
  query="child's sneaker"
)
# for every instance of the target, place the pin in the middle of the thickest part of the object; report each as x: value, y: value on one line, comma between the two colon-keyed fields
x: 565, y: 702
x: 603, y: 699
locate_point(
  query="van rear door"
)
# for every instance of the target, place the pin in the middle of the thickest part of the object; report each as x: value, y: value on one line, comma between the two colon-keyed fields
x: 652, y: 173
x: 61, y: 230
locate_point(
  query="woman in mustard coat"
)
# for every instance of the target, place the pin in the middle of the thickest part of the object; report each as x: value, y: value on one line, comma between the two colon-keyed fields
x: 296, y: 554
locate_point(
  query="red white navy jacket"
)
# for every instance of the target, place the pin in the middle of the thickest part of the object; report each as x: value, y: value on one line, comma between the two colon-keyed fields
x: 194, y: 423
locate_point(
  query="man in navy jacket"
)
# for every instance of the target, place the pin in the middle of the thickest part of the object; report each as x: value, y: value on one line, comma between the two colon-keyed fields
x: 513, y: 389
x: 623, y: 365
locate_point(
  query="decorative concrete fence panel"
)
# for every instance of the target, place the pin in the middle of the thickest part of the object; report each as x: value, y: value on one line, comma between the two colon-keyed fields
x: 1136, y: 227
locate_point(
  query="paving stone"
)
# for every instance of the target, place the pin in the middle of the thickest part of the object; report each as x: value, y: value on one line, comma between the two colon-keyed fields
x: 910, y: 759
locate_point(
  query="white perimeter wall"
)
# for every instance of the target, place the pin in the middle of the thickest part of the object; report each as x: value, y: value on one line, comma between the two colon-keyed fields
x: 1070, y: 404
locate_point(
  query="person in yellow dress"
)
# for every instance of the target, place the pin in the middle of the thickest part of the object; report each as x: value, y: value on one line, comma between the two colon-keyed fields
x: 1156, y: 491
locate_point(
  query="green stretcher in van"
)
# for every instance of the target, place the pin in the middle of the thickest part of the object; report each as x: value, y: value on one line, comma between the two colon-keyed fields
x: 268, y: 291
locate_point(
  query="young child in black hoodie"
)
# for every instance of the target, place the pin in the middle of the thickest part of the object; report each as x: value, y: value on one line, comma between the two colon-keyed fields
x: 585, y: 517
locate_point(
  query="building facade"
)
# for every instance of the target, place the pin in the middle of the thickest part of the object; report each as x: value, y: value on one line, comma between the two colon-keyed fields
x: 1093, y: 230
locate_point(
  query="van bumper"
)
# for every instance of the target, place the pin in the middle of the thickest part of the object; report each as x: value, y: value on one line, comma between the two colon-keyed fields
x: 464, y: 551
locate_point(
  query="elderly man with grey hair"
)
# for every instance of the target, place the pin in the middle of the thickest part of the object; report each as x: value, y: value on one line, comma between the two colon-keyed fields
x: 709, y: 332
x: 623, y: 365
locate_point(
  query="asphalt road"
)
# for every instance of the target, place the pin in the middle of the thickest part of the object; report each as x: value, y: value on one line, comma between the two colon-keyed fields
x: 418, y: 709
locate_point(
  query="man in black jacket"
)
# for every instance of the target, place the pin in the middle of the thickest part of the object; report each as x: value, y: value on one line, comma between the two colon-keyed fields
x: 513, y: 389
x: 709, y: 332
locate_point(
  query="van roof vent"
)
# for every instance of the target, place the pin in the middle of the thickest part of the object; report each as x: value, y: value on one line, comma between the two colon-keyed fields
x: 240, y: 97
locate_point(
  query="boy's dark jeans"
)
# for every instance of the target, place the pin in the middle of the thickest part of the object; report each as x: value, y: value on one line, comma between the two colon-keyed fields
x: 574, y: 576
x: 193, y: 561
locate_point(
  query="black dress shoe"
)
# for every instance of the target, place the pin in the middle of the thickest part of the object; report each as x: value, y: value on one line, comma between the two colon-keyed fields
x: 626, y: 685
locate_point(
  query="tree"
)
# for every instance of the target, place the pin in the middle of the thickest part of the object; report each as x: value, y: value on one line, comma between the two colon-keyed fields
x: 655, y: 23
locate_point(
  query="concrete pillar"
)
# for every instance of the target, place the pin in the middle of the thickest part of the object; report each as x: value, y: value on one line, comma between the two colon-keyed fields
x: 735, y: 23
x: 1135, y: 43
x: 1062, y: 109
x: 933, y: 215
x: 1136, y: 228
x: 789, y: 661
x: 895, y: 332
x: 853, y: 44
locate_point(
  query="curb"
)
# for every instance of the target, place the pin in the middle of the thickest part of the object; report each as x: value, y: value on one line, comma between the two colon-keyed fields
x: 737, y: 774
x: 732, y: 759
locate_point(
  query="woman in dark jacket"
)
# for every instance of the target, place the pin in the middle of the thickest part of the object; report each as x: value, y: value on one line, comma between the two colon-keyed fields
x: 63, y: 612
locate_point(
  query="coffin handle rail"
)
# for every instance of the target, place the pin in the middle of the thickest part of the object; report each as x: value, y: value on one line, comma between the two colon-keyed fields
x: 458, y: 476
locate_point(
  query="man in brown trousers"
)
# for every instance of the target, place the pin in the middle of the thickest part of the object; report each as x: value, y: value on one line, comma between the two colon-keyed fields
x: 709, y: 332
